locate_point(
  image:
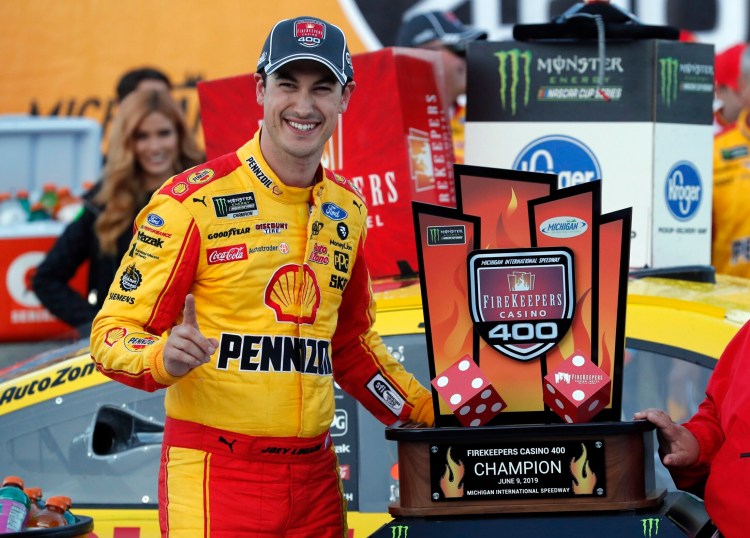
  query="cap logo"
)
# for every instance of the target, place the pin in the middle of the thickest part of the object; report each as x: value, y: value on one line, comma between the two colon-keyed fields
x: 309, y: 33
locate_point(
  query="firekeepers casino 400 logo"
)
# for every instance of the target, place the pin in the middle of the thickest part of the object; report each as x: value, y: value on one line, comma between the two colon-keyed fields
x: 522, y: 301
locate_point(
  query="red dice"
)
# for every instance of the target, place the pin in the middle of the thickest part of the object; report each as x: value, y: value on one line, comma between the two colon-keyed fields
x: 577, y: 390
x: 468, y: 393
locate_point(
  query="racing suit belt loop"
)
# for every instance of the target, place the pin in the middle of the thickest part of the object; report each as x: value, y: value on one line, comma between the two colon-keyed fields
x: 185, y: 434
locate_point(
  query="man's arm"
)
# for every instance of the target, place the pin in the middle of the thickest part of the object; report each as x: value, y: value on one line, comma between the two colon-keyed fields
x: 147, y: 298
x: 362, y: 365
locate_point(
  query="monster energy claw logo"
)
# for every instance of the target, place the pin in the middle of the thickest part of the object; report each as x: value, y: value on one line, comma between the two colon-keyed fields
x: 650, y: 527
x: 668, y: 79
x: 400, y: 531
x: 510, y: 76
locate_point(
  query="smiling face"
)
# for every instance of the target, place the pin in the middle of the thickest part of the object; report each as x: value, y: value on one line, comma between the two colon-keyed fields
x: 155, y: 142
x: 301, y: 103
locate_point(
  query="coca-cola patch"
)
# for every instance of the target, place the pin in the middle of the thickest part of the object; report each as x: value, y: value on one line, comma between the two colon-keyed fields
x: 231, y: 253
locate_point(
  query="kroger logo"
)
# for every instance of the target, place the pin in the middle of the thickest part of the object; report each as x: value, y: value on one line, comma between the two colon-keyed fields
x: 563, y: 227
x: 683, y: 190
x: 572, y: 161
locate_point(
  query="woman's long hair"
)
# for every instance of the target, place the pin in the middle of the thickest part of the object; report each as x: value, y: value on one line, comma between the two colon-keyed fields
x: 123, y: 189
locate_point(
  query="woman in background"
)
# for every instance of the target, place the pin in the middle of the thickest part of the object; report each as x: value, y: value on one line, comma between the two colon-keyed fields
x: 149, y: 142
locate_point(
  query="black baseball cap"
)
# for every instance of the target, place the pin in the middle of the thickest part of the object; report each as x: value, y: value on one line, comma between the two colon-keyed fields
x: 443, y: 26
x: 307, y: 38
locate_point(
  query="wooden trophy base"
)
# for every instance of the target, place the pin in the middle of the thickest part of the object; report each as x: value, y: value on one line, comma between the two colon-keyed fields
x: 624, y: 450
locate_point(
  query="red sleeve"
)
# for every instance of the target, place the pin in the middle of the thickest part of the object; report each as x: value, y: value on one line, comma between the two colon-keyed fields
x: 707, y: 423
x: 362, y: 365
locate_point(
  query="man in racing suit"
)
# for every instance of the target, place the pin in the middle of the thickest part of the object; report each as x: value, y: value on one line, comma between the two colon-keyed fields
x: 244, y: 294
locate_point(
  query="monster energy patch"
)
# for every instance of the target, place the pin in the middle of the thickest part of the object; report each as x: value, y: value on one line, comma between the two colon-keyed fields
x: 520, y: 470
x: 736, y: 152
x: 235, y: 206
x: 446, y: 235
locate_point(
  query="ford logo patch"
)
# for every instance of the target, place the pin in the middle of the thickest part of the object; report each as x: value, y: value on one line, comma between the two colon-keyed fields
x: 334, y: 212
x: 155, y: 220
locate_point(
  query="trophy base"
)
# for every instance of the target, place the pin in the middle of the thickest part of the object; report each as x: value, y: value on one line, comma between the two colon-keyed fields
x: 626, y: 459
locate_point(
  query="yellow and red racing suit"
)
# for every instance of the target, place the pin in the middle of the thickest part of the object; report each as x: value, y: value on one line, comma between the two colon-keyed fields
x: 280, y: 279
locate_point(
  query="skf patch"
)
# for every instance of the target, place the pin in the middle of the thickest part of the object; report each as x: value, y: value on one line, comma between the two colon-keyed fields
x: 130, y: 279
x: 338, y: 282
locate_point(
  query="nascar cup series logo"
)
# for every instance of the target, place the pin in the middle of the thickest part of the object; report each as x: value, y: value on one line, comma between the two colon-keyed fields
x: 669, y: 68
x: 572, y: 161
x: 514, y: 68
x: 683, y: 190
x: 522, y: 301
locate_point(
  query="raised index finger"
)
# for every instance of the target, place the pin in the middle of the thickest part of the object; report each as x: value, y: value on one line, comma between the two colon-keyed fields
x: 188, y: 314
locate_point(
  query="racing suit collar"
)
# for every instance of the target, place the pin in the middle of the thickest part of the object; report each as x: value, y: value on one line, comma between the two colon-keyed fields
x: 259, y: 172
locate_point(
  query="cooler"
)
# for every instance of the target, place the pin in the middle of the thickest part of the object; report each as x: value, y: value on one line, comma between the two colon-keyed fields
x: 22, y: 317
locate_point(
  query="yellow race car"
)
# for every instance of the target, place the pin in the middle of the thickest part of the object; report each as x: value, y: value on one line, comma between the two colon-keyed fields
x: 71, y: 431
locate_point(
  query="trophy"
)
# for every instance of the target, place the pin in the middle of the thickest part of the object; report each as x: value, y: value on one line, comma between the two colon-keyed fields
x: 523, y: 291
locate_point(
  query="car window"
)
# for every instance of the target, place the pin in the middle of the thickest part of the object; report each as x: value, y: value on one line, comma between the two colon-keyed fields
x: 666, y: 378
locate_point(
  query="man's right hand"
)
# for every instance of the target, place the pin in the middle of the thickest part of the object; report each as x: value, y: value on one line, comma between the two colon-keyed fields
x: 186, y: 347
x: 678, y: 447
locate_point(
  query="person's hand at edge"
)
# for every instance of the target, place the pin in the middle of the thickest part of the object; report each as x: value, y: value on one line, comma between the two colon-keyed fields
x: 186, y: 347
x: 678, y: 447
